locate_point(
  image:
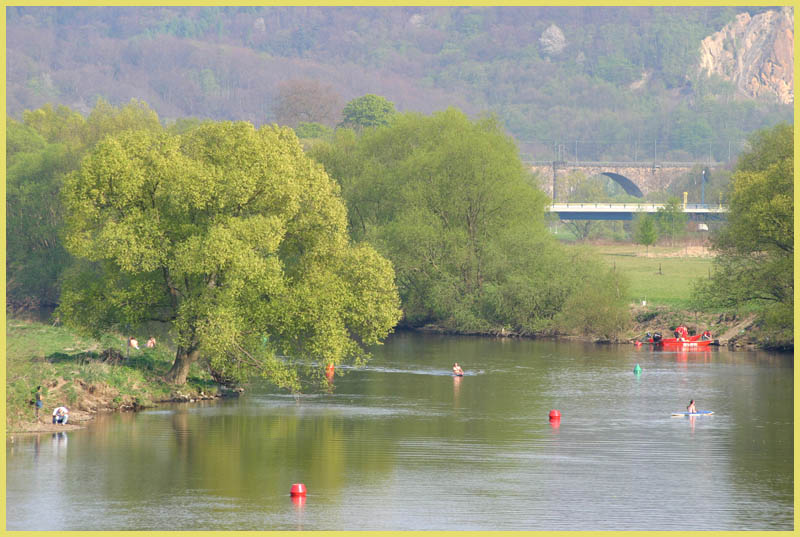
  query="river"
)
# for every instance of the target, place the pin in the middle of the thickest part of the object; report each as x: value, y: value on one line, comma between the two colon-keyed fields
x: 400, y: 444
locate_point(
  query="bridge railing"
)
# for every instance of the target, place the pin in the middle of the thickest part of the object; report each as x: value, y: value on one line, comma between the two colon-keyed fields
x: 623, y: 164
x: 633, y: 207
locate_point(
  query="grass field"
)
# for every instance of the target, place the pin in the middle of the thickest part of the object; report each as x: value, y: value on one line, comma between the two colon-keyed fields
x: 666, y: 278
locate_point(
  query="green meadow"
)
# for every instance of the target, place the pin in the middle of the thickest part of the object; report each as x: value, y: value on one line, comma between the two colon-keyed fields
x: 664, y: 278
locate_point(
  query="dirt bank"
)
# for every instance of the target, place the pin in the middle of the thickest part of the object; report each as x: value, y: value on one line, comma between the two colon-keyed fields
x: 93, y: 399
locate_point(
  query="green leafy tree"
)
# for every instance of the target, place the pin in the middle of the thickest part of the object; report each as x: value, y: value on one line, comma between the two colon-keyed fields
x: 312, y: 130
x: 755, y: 250
x: 232, y: 237
x: 449, y: 202
x: 672, y: 220
x: 367, y: 111
x: 47, y: 144
x: 644, y: 230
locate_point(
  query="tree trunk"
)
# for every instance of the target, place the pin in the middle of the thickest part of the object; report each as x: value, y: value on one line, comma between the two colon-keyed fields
x: 180, y: 368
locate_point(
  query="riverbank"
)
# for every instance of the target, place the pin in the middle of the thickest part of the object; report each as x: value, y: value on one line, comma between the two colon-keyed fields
x: 740, y: 331
x: 87, y: 376
x: 76, y: 373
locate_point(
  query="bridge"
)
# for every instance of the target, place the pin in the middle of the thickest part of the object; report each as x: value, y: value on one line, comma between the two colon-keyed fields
x: 626, y: 211
x: 636, y: 178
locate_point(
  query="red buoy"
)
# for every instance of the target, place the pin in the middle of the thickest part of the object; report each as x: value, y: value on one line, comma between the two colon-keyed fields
x: 298, y: 489
x: 637, y: 344
x: 555, y: 415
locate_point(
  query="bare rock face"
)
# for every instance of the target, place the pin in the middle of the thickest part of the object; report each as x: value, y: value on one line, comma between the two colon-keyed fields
x: 552, y: 40
x: 755, y: 53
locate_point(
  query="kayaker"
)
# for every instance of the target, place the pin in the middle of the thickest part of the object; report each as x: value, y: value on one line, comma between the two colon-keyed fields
x: 691, y: 409
x: 457, y: 371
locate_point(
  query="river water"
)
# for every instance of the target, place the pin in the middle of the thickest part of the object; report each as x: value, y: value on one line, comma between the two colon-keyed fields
x: 402, y: 445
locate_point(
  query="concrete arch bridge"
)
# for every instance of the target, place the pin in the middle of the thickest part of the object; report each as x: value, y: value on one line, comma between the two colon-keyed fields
x: 636, y: 178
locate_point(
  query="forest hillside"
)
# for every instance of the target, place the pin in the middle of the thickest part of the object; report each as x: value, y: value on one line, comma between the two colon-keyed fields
x: 696, y: 79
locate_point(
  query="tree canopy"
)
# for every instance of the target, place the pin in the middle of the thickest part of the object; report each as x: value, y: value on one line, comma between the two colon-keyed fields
x: 755, y: 249
x: 46, y: 145
x: 367, y: 111
x: 235, y: 239
x: 448, y: 200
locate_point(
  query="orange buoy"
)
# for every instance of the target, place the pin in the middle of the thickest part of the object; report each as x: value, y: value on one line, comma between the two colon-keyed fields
x: 555, y: 415
x: 298, y: 489
x: 299, y: 501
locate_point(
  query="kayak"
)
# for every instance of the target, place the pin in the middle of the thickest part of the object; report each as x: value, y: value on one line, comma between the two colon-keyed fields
x: 698, y: 413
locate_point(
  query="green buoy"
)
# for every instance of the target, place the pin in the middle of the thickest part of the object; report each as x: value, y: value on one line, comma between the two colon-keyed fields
x: 637, y: 370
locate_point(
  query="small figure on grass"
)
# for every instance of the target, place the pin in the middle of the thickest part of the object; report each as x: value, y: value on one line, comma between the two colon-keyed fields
x: 38, y: 403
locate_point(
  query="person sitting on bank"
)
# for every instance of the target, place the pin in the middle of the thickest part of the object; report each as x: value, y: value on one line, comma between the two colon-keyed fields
x: 132, y: 342
x: 691, y: 409
x: 457, y: 371
x: 61, y: 415
x: 151, y: 343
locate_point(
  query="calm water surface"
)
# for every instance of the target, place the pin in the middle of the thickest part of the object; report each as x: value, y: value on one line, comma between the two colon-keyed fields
x: 402, y: 445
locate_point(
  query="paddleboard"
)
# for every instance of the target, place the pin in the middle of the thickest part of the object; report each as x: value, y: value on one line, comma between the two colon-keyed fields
x: 698, y: 413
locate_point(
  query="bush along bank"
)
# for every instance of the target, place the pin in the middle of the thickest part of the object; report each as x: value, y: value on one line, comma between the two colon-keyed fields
x: 736, y: 330
x: 740, y: 330
x: 87, y: 376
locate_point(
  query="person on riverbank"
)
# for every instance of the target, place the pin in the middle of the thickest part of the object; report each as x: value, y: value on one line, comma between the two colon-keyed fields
x: 151, y: 343
x: 38, y: 401
x: 61, y: 415
x: 691, y: 408
x: 133, y: 343
x: 457, y: 371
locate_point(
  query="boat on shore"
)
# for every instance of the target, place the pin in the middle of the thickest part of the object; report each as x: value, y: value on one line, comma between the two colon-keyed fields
x: 683, y: 341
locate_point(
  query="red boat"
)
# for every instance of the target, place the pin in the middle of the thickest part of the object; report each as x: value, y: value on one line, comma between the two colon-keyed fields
x: 685, y: 345
x: 689, y: 342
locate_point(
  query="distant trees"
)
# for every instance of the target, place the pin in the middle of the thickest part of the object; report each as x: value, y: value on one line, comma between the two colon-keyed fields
x: 307, y: 101
x: 367, y: 111
x: 754, y: 264
x: 671, y: 219
x: 624, y: 75
x: 644, y: 230
x: 232, y: 237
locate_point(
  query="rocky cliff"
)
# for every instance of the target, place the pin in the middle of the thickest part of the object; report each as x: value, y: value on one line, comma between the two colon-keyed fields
x: 755, y: 53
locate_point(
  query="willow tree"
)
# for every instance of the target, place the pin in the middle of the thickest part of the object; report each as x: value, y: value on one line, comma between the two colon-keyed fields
x: 235, y: 239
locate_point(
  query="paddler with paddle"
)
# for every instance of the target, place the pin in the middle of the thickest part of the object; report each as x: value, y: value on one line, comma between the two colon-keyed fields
x: 457, y: 371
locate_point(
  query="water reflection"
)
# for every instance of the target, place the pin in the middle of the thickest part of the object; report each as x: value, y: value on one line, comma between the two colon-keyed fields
x: 396, y: 446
